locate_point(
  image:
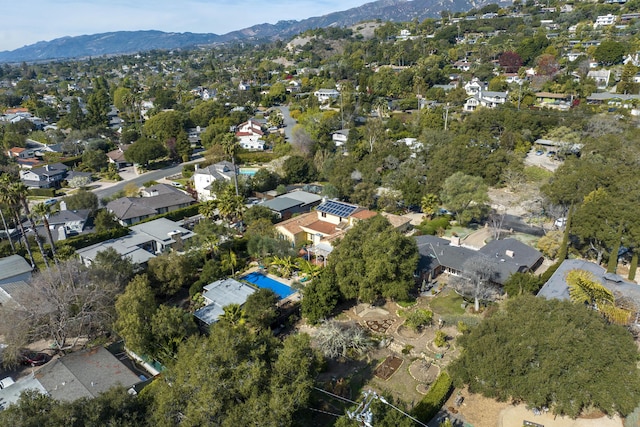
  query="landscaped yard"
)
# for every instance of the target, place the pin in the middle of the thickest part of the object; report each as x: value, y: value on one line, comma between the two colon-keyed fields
x: 447, y: 303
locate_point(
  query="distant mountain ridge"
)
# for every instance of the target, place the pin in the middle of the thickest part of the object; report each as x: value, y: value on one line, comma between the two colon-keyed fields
x: 126, y: 42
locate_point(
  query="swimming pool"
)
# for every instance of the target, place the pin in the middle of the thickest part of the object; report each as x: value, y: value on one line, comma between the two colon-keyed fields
x: 248, y: 171
x: 262, y: 281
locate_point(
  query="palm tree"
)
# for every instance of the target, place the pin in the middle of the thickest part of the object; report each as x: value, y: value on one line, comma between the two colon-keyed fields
x: 310, y: 270
x: 583, y: 288
x: 233, y: 314
x: 10, y: 198
x: 208, y: 209
x: 43, y: 211
x: 211, y: 244
x: 284, y: 264
x: 21, y: 192
x: 6, y: 230
x: 230, y: 144
x: 230, y: 205
x: 230, y: 262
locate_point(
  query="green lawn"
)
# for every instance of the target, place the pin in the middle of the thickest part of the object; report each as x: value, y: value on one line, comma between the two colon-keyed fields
x: 447, y: 303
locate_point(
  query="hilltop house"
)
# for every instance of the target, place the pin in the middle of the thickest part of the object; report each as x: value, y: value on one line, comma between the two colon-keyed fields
x: 326, y: 95
x: 204, y: 177
x: 487, y: 99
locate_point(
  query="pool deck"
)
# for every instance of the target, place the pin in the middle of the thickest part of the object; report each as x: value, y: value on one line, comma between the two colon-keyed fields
x: 294, y: 297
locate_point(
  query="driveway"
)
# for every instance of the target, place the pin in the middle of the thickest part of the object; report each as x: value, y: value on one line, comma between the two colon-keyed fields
x: 289, y: 123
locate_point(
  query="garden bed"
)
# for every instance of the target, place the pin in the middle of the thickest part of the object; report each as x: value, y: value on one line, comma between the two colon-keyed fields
x: 387, y: 368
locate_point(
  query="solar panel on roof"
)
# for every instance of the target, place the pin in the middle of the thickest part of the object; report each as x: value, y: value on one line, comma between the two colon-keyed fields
x: 332, y: 207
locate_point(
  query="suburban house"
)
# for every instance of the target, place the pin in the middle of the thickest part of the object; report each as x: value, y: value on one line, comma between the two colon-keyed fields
x: 204, y: 177
x: 117, y: 156
x: 328, y: 222
x: 160, y: 199
x: 14, y: 268
x: 143, y: 242
x: 82, y: 374
x: 288, y: 204
x: 326, y: 95
x: 605, y: 20
x: 250, y: 135
x: 488, y: 99
x: 507, y: 256
x: 48, y: 176
x: 65, y: 222
x: 558, y: 101
x: 557, y: 288
x: 340, y: 137
x: 601, y: 77
x: 218, y: 295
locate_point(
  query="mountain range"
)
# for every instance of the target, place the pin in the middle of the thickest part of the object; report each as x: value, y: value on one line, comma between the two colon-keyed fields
x: 126, y: 42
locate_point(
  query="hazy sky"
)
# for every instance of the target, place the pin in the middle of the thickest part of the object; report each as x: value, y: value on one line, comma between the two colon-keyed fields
x: 24, y: 23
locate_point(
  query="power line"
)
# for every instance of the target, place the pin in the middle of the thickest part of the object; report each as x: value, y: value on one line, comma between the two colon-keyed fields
x: 325, y: 412
x: 335, y: 395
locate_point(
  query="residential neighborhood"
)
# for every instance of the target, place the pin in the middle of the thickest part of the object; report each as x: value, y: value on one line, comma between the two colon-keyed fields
x: 392, y: 223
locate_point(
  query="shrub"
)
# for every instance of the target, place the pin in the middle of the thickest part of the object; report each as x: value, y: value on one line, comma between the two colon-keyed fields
x: 44, y: 192
x: 84, y: 240
x: 429, y: 406
x: 432, y: 227
x: 416, y: 319
x: 441, y: 339
x: 462, y: 327
x: 188, y: 170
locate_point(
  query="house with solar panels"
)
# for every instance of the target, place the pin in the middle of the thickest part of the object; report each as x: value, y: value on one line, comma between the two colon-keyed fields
x: 328, y: 222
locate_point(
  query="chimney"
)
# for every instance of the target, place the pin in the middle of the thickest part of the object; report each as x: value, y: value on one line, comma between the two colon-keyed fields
x: 509, y: 253
x: 195, y: 167
x: 63, y: 205
x: 455, y: 241
x: 46, y: 167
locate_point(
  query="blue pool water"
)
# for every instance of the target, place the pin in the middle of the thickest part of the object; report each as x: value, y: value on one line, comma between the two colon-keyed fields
x: 248, y: 171
x: 262, y: 281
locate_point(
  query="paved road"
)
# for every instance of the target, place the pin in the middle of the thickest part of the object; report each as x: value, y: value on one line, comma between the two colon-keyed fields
x: 141, y: 179
x: 289, y: 123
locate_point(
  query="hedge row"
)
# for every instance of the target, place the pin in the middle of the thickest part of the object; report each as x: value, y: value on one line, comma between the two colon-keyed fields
x: 42, y: 192
x: 84, y: 240
x: 177, y: 215
x: 252, y: 157
x: 437, y: 395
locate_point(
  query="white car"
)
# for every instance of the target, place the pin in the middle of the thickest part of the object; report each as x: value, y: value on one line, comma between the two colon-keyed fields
x: 6, y: 382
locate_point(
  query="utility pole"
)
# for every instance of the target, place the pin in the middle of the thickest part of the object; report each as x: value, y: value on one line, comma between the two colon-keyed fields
x: 446, y: 116
x: 520, y: 95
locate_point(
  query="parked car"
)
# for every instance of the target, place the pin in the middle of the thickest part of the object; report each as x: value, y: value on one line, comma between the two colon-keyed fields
x: 176, y: 184
x: 6, y: 382
x: 551, y: 153
x: 50, y: 202
x: 539, y: 153
x: 34, y: 358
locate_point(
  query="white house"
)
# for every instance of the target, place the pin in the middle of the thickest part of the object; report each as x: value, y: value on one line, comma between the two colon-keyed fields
x: 250, y: 135
x: 204, y: 177
x: 474, y: 86
x: 605, y: 20
x: 601, y: 77
x: 340, y: 137
x: 488, y: 99
x: 325, y: 95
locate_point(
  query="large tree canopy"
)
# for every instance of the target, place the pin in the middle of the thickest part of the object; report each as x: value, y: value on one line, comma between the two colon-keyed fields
x: 551, y: 353
x: 235, y: 377
x: 374, y: 260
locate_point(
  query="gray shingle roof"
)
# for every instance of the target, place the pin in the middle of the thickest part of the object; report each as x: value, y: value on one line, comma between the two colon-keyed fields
x: 86, y: 373
x: 127, y: 207
x: 556, y: 287
x: 63, y: 217
x: 13, y: 265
